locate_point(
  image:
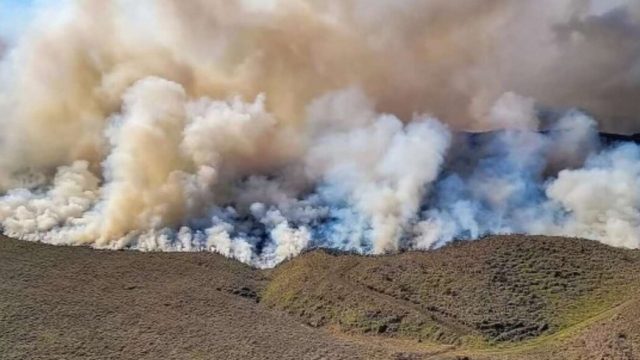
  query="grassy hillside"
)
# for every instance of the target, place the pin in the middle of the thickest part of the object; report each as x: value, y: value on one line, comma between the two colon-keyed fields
x: 501, y: 289
x: 78, y: 303
x: 504, y: 298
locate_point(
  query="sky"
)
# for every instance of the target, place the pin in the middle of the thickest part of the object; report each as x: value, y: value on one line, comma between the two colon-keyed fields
x: 14, y: 17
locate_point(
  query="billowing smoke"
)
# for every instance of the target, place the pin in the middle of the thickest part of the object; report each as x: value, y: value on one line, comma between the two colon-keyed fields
x: 260, y: 128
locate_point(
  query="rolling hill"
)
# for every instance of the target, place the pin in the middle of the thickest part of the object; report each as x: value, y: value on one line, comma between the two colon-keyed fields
x: 504, y: 297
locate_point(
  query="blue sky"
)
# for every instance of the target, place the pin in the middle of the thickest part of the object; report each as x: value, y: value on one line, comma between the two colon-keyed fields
x: 14, y: 16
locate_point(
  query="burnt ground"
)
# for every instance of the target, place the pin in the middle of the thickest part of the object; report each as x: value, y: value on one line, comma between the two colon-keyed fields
x: 511, y: 297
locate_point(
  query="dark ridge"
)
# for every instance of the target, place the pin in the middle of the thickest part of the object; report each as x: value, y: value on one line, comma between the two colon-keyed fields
x: 477, y: 138
x: 609, y: 138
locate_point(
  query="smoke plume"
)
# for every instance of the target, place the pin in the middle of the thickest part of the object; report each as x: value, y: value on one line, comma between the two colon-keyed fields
x: 260, y: 128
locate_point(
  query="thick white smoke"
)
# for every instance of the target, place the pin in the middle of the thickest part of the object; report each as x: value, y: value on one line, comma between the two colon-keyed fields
x: 173, y: 163
x: 603, y: 197
x: 258, y: 129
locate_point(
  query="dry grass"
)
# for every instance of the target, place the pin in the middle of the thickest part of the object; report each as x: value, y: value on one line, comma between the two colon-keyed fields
x: 514, y: 297
x: 502, y: 289
x: 78, y: 303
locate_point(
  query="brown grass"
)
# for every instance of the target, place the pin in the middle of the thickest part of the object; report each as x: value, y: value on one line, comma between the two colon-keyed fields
x: 514, y: 297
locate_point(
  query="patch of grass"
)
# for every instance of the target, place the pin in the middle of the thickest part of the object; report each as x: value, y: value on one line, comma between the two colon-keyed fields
x: 503, y: 289
x: 479, y: 300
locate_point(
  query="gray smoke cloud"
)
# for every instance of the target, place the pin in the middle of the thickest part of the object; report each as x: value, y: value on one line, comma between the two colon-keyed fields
x: 260, y: 128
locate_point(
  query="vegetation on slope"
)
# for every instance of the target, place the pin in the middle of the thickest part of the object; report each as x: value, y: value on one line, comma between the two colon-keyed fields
x: 502, y: 298
x: 499, y: 289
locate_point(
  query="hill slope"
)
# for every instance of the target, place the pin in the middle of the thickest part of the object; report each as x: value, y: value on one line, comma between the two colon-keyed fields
x: 78, y: 303
x: 514, y: 297
x: 499, y: 289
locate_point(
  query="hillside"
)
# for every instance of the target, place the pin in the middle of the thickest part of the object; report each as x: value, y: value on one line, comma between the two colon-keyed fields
x: 500, y: 289
x: 77, y: 303
x: 510, y: 297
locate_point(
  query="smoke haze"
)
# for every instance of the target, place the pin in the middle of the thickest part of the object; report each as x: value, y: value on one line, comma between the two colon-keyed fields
x: 260, y: 128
